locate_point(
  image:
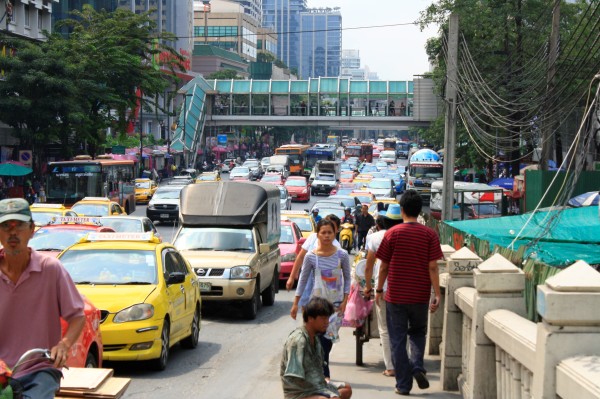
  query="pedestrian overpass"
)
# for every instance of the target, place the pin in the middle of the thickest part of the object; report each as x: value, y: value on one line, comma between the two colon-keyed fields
x: 332, y: 103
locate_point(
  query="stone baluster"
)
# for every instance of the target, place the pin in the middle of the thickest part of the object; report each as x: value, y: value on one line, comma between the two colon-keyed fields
x: 569, y: 304
x: 460, y: 274
x: 499, y: 285
x: 436, y: 320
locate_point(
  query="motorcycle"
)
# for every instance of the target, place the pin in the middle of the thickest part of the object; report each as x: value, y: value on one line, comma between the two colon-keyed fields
x: 347, y: 236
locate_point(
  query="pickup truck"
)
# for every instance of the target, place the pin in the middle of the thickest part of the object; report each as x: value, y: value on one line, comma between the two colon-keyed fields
x: 323, y: 183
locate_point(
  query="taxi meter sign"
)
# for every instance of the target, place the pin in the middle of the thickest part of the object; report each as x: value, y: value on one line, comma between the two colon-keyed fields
x: 25, y: 157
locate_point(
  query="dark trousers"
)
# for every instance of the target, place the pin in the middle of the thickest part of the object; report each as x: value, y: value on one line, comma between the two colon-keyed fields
x: 362, y: 239
x: 407, y: 321
x: 40, y: 384
x: 327, y: 344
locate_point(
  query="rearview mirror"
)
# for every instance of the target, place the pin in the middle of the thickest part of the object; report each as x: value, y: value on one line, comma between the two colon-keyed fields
x: 264, y: 248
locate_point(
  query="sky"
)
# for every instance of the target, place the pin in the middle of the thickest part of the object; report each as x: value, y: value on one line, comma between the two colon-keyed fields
x: 395, y: 53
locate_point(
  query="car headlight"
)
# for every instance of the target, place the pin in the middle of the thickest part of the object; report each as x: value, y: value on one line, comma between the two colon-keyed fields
x: 150, y: 206
x: 304, y: 191
x: 288, y: 257
x: 241, y: 272
x: 141, y: 311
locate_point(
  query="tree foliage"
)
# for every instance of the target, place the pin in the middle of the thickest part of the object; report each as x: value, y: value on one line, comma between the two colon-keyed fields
x: 224, y: 74
x: 70, y: 89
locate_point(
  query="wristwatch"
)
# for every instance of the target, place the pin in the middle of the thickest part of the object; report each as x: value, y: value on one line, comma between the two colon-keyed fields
x: 379, y: 291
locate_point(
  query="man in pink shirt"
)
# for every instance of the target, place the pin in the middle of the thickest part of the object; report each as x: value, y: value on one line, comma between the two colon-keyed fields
x: 35, y: 292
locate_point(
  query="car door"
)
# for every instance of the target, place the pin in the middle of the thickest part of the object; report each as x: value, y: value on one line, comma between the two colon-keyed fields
x: 175, y: 293
x: 191, y: 290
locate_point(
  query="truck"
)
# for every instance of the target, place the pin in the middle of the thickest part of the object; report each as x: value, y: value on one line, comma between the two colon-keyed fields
x: 229, y: 232
x: 332, y: 167
x: 471, y: 200
x: 424, y: 167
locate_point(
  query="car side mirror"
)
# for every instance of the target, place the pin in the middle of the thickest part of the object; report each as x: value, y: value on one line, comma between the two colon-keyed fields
x: 264, y: 248
x: 299, y: 244
x: 175, y: 278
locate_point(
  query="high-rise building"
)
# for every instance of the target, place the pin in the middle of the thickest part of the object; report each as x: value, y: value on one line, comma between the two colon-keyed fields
x: 175, y: 16
x: 26, y: 18
x: 320, y: 42
x: 252, y: 8
x: 351, y: 68
x: 283, y: 17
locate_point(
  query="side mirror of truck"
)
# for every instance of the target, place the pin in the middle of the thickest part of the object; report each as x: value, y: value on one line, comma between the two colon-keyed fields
x: 264, y: 248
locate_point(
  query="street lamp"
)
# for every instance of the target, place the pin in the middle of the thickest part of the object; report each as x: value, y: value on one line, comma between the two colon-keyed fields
x: 206, y: 4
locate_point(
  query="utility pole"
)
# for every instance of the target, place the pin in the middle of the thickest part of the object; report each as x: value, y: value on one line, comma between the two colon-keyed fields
x: 450, y: 128
x: 548, y: 125
x: 206, y: 4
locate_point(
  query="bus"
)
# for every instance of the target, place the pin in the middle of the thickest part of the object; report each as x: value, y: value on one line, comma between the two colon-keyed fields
x: 362, y: 151
x: 389, y: 144
x: 333, y: 139
x: 70, y: 181
x: 314, y: 154
x: 296, y: 154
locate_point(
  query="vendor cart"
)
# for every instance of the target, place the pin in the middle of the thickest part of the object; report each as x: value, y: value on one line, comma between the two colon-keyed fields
x: 369, y: 329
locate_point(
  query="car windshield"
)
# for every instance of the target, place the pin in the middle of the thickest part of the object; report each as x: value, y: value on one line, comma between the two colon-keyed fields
x: 426, y: 171
x: 339, y: 212
x: 214, y: 239
x: 42, y: 218
x: 348, y: 201
x: 271, y: 178
x: 251, y: 164
x: 326, y: 177
x: 240, y: 170
x: 365, y: 199
x: 91, y: 209
x: 379, y: 184
x: 287, y: 235
x: 166, y: 194
x: 295, y: 183
x: 110, y: 267
x: 49, y: 239
x: 122, y: 225
x: 303, y: 223
x: 144, y: 184
x: 207, y: 177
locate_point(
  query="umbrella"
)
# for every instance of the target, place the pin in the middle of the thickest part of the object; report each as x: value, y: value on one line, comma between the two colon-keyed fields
x: 585, y: 199
x: 504, y: 182
x: 14, y: 169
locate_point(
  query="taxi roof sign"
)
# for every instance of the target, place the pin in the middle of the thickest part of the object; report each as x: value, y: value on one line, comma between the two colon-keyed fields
x: 292, y: 212
x: 44, y: 205
x: 140, y: 237
x: 76, y: 220
x: 96, y: 199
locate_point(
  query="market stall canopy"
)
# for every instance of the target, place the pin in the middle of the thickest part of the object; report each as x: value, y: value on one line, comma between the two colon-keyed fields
x: 585, y: 199
x: 14, y: 169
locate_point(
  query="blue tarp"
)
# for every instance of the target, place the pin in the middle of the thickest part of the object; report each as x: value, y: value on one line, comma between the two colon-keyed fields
x: 576, y: 235
x: 585, y: 199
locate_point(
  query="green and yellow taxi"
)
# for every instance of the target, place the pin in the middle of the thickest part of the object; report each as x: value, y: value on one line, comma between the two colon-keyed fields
x: 44, y: 214
x: 303, y: 219
x: 147, y: 293
x: 144, y: 190
x: 97, y: 206
x: 385, y: 202
x: 208, y: 176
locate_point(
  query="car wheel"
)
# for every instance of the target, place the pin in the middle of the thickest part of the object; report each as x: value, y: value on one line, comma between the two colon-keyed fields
x: 251, y: 306
x: 90, y: 361
x: 161, y: 363
x: 192, y: 341
x: 268, y: 296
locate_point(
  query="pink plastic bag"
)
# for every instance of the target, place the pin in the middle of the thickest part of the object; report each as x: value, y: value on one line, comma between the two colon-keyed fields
x: 357, y: 308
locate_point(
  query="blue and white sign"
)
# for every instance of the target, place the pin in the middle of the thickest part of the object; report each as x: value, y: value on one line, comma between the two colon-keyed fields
x: 222, y: 139
x: 25, y: 157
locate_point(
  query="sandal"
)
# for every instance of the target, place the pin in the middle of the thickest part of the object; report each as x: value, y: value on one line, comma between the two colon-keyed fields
x: 389, y: 373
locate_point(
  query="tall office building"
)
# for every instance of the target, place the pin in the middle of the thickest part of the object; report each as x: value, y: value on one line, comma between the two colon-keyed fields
x: 252, y: 8
x: 320, y: 42
x: 175, y: 16
x: 283, y: 17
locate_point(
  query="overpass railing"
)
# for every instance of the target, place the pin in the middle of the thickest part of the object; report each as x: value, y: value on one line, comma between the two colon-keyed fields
x: 490, y: 349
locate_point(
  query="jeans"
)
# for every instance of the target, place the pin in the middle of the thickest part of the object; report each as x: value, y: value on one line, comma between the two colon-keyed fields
x: 362, y: 239
x: 327, y: 344
x: 41, y: 384
x: 407, y: 320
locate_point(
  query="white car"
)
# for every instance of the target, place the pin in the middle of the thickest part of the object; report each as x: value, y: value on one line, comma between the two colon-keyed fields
x: 285, y: 199
x: 382, y: 187
x: 225, y: 167
x: 240, y: 173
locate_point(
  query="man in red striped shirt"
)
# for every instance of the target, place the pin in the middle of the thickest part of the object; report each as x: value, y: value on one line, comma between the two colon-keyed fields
x: 409, y: 253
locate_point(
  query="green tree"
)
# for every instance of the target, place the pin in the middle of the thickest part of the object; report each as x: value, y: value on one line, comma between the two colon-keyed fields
x: 224, y: 74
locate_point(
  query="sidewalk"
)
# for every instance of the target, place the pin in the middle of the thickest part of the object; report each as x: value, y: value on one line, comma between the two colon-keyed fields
x: 367, y: 381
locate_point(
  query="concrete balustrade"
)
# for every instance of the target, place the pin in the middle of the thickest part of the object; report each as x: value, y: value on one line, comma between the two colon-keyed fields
x: 460, y: 274
x: 498, y: 285
x: 436, y: 320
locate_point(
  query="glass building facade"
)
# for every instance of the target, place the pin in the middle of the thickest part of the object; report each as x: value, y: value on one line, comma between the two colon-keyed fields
x: 320, y: 43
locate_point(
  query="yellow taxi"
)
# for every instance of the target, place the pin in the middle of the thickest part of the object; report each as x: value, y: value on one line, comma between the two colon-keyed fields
x: 144, y: 190
x: 385, y: 203
x: 208, y: 176
x: 362, y: 178
x: 303, y: 219
x: 43, y: 214
x: 147, y: 293
x: 97, y: 206
x: 365, y: 197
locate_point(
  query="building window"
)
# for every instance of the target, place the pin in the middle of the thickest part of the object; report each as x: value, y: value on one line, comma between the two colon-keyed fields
x: 26, y: 14
x: 40, y: 21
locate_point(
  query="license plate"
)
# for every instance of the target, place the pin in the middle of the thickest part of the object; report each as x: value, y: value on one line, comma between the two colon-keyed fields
x: 164, y: 215
x: 294, y: 195
x: 205, y: 286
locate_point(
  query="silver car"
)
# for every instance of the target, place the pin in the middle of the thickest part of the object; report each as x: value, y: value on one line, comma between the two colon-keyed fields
x: 285, y: 199
x: 240, y: 173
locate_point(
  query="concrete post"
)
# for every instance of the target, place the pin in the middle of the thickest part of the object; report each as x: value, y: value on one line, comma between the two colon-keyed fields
x: 460, y: 274
x: 569, y: 304
x: 436, y: 320
x: 499, y: 285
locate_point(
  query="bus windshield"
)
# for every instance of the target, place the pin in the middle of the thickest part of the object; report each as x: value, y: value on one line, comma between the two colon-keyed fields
x: 422, y: 171
x: 69, y: 186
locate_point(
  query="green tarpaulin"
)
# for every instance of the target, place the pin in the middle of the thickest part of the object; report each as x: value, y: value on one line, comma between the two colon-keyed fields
x: 576, y: 235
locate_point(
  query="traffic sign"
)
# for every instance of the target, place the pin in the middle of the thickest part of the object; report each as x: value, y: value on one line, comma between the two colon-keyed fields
x: 25, y: 157
x: 118, y: 149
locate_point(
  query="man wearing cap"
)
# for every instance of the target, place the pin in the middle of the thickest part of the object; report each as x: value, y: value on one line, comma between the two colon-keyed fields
x: 383, y: 222
x: 315, y: 215
x: 364, y: 221
x: 35, y: 292
x: 409, y: 253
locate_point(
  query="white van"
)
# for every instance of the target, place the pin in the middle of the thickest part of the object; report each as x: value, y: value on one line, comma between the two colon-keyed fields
x: 388, y: 156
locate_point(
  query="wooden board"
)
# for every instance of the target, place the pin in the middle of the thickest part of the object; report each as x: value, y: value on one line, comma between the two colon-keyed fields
x: 112, y: 388
x: 78, y: 378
